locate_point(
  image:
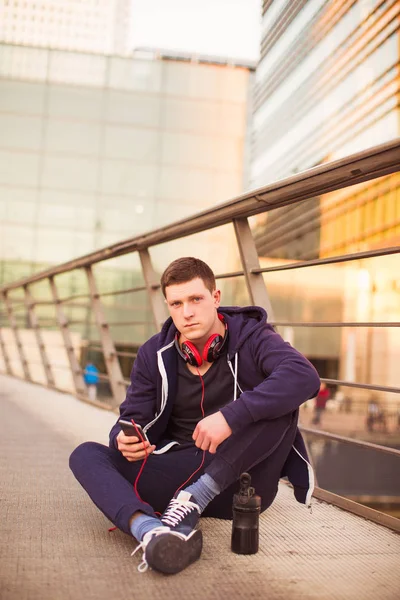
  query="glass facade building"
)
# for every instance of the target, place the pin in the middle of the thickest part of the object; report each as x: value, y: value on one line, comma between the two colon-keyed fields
x: 95, y: 149
x: 327, y: 85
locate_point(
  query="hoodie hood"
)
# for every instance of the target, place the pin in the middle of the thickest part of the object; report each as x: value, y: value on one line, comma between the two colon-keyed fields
x: 242, y: 322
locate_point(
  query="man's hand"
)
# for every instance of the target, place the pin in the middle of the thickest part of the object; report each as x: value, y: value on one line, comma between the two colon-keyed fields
x: 132, y: 448
x: 211, y: 431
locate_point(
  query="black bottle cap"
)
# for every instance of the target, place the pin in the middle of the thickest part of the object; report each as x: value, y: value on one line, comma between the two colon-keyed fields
x: 247, y: 498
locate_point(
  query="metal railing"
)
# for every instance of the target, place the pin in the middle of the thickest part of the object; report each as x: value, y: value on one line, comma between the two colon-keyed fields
x: 373, y: 163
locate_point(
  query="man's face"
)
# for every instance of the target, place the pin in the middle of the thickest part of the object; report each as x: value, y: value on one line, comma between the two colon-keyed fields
x: 193, y: 310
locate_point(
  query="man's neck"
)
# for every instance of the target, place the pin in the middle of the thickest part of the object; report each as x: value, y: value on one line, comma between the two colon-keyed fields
x: 202, y: 370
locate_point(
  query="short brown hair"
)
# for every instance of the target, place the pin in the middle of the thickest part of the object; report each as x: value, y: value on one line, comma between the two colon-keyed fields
x: 185, y: 269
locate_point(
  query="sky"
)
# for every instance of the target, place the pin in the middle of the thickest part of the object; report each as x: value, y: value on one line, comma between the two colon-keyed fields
x: 226, y: 28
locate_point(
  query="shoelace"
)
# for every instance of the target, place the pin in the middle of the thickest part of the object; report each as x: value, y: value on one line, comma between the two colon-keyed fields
x: 177, y: 510
x: 143, y: 566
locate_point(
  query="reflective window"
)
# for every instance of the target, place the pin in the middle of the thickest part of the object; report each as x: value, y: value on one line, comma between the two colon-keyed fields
x: 306, y: 15
x: 87, y: 69
x: 73, y: 137
x: 327, y: 119
x: 61, y: 172
x: 19, y: 168
x: 75, y: 102
x: 20, y: 97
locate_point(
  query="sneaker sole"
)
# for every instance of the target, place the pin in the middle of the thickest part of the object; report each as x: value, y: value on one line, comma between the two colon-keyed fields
x: 169, y: 554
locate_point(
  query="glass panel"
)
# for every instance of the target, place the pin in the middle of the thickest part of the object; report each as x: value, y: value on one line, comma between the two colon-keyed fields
x: 23, y: 63
x: 225, y: 186
x: 18, y: 96
x: 233, y: 84
x: 20, y: 131
x: 56, y: 215
x: 67, y: 197
x: 21, y: 207
x: 71, y: 67
x: 83, y: 241
x: 217, y: 247
x: 70, y: 173
x: 143, y: 109
x: 127, y: 217
x: 121, y: 177
x: 136, y: 144
x: 73, y: 137
x: 298, y: 24
x: 181, y: 115
x: 76, y: 102
x: 187, y: 150
x: 17, y: 168
x: 54, y: 245
x: 231, y: 119
x: 192, y: 185
x: 131, y: 74
x: 11, y: 246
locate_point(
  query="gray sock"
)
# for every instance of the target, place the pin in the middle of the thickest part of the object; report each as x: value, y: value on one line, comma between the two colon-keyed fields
x: 142, y: 525
x: 204, y: 490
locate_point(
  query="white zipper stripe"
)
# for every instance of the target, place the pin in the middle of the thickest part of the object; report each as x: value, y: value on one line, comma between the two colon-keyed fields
x: 164, y: 389
x: 310, y: 476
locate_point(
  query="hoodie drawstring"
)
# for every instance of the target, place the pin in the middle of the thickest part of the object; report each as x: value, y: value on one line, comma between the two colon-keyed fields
x: 234, y: 373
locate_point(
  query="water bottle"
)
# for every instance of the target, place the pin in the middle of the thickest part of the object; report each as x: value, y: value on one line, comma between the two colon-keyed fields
x: 246, y: 511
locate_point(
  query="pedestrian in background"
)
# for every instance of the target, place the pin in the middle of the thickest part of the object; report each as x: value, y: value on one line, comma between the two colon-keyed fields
x: 320, y: 403
x: 91, y: 378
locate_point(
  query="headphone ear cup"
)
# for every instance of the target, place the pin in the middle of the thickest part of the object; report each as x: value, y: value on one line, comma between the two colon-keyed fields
x: 212, y: 347
x: 191, y: 354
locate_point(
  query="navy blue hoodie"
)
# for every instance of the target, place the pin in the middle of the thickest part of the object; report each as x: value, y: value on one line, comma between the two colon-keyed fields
x: 269, y: 379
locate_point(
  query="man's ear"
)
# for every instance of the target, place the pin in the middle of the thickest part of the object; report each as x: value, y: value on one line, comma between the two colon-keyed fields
x: 217, y: 298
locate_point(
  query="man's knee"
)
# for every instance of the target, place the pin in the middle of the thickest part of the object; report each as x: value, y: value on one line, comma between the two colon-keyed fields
x: 83, y: 455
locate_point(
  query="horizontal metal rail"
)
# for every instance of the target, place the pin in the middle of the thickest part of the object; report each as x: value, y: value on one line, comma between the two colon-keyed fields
x: 103, y: 377
x: 330, y: 260
x: 128, y: 354
x: 363, y: 166
x: 97, y: 348
x: 141, y: 288
x: 68, y: 299
x: 334, y: 324
x: 19, y: 307
x: 365, y: 386
x: 346, y: 440
x: 120, y: 323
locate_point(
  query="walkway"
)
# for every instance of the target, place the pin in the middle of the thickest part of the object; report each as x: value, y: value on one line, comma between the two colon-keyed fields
x: 55, y: 545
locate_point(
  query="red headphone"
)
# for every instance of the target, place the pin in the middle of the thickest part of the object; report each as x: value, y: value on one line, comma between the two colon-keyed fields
x: 211, y: 350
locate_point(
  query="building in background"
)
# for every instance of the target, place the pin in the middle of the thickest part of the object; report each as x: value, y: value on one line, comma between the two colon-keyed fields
x: 327, y: 85
x: 95, y: 149
x: 100, y: 26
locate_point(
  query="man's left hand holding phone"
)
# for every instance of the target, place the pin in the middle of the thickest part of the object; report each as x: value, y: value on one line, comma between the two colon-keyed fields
x: 130, y: 444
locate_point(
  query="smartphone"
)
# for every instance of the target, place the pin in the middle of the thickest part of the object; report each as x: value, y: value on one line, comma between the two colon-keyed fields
x: 129, y: 429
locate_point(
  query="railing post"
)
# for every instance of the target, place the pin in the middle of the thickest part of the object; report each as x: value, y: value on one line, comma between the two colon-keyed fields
x: 18, y: 342
x: 30, y: 306
x: 62, y: 321
x: 249, y: 257
x: 153, y: 289
x: 110, y: 356
x: 5, y: 355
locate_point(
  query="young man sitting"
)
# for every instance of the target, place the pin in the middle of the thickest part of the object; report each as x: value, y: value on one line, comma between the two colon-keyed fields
x: 217, y: 393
